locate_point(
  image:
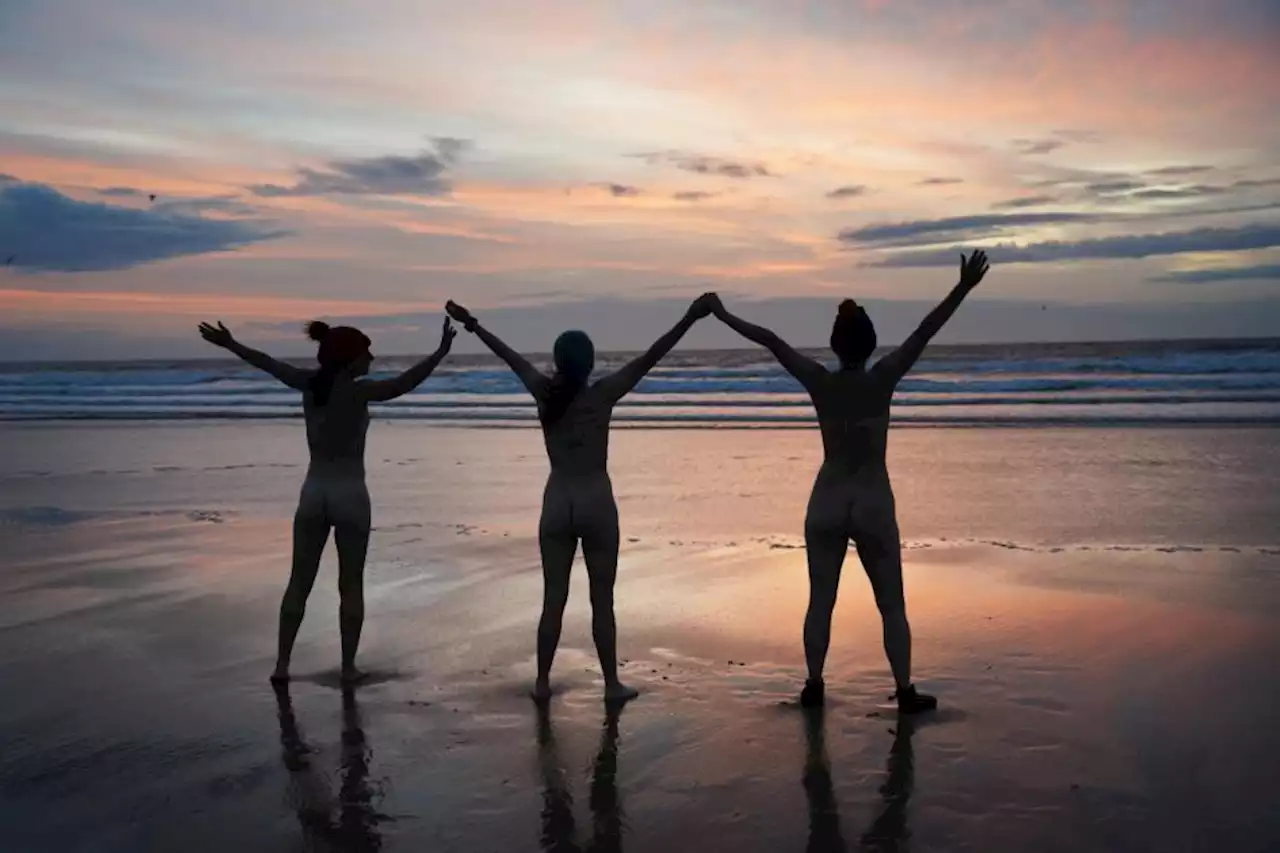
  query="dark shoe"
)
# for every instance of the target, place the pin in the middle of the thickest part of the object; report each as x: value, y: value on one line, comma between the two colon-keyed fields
x: 911, y: 701
x: 813, y: 694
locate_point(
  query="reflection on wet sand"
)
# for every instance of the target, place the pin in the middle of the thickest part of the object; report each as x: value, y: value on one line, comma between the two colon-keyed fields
x: 888, y: 832
x: 352, y: 823
x: 559, y: 830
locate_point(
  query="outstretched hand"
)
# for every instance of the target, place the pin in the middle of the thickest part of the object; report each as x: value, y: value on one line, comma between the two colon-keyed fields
x: 703, y: 306
x: 461, y: 315
x: 717, y: 307
x: 219, y: 336
x: 973, y: 268
x: 447, y: 334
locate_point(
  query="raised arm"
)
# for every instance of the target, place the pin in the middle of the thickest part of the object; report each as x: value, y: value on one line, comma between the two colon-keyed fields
x: 533, y: 379
x: 381, y: 390
x: 803, y: 368
x: 896, y: 364
x: 220, y: 335
x: 617, y: 384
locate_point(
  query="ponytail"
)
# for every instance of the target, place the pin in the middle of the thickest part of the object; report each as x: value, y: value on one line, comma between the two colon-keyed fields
x: 561, y: 391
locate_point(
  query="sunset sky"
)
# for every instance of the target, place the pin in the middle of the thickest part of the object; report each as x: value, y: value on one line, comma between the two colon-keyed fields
x: 565, y: 162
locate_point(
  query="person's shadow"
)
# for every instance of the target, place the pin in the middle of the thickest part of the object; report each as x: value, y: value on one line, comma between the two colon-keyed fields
x: 352, y: 823
x: 559, y: 829
x: 888, y: 832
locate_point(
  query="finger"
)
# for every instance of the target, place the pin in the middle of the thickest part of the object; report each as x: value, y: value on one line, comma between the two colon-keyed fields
x: 221, y: 327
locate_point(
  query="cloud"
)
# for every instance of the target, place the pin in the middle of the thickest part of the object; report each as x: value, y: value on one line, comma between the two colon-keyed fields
x: 1133, y: 187
x: 1192, y: 191
x: 693, y: 195
x: 1113, y: 187
x: 1029, y: 201
x: 850, y: 191
x: 1177, y: 171
x: 1253, y: 183
x: 702, y: 164
x: 389, y: 174
x: 620, y: 190
x: 1262, y: 272
x: 940, y: 181
x: 1078, y: 135
x: 1244, y: 238
x: 1037, y: 146
x: 228, y: 204
x: 46, y: 230
x: 976, y: 225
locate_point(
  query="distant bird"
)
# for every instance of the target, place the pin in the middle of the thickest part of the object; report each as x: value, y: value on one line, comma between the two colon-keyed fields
x: 1043, y: 307
x: 152, y: 196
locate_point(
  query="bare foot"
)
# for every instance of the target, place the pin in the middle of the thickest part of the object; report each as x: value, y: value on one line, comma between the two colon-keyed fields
x: 619, y: 692
x: 541, y: 691
x: 281, y: 675
x: 351, y: 675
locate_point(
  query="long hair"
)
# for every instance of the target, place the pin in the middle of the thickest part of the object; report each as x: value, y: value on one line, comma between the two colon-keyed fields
x: 574, y: 356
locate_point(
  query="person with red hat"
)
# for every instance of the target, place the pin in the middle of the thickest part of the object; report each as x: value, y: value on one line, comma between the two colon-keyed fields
x: 335, y: 404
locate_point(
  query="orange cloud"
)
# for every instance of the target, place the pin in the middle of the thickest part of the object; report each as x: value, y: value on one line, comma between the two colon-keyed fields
x: 43, y: 304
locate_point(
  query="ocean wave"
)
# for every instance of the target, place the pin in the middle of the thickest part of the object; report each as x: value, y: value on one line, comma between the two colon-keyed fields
x: 1077, y: 382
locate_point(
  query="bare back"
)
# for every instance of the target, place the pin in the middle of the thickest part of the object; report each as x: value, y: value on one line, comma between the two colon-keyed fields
x: 853, y: 413
x: 336, y: 431
x: 578, y: 441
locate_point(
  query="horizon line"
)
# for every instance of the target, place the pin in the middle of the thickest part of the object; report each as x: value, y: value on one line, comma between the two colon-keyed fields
x: 6, y: 363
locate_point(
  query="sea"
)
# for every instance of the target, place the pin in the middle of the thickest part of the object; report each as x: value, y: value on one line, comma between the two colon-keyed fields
x: 1111, y: 383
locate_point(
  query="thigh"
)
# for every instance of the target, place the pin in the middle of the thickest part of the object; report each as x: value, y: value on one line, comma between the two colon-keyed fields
x: 597, y: 524
x: 351, y: 515
x: 826, y: 539
x: 310, y: 535
x: 557, y: 539
x: 880, y: 551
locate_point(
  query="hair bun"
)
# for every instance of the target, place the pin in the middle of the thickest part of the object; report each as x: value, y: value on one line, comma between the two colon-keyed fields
x: 317, y: 330
x: 848, y: 308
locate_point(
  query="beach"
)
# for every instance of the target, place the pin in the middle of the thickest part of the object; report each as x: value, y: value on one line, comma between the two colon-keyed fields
x: 1094, y: 607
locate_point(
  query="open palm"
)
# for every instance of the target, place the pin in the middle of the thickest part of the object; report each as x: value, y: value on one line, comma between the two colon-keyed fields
x: 973, y: 268
x: 219, y: 336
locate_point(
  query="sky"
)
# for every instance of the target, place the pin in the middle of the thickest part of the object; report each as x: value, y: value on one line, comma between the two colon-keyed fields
x: 597, y: 164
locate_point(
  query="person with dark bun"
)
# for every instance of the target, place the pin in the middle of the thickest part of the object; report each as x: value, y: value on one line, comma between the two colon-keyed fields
x: 335, y: 403
x: 852, y: 498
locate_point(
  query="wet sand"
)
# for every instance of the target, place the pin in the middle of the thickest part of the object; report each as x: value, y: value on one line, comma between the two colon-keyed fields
x: 1104, y: 686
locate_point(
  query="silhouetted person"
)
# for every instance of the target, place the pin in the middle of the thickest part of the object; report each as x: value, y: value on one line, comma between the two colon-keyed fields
x: 888, y: 832
x: 355, y: 825
x: 851, y: 497
x: 578, y: 500
x: 335, y: 403
x: 559, y: 829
